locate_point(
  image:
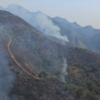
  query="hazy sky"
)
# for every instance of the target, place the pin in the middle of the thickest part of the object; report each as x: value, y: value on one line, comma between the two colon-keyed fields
x: 84, y: 12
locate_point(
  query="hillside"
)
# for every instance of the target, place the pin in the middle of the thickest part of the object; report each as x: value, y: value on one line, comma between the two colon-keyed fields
x: 65, y: 72
x: 34, y: 51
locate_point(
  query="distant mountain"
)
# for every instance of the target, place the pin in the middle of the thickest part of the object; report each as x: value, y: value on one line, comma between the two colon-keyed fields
x: 67, y: 29
x: 20, y: 11
x: 67, y: 23
x: 84, y: 35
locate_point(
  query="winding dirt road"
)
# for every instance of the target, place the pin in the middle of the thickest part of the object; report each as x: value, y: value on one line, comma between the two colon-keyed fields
x: 13, y: 57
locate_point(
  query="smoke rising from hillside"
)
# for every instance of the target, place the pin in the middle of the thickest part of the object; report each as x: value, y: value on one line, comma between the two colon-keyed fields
x: 64, y: 70
x: 44, y: 24
x: 38, y: 20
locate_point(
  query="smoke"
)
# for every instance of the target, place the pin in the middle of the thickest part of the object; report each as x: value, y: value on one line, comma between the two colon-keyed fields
x: 45, y: 24
x: 7, y: 77
x: 39, y: 20
x: 64, y: 70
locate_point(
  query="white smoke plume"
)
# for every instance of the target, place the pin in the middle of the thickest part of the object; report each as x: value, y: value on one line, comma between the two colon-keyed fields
x: 45, y: 24
x: 39, y: 20
x: 64, y: 70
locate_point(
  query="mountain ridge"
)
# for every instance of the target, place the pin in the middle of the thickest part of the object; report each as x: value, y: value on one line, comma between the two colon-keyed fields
x: 77, y: 35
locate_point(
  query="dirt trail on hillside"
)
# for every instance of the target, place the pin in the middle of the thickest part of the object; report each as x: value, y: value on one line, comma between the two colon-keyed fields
x: 13, y: 57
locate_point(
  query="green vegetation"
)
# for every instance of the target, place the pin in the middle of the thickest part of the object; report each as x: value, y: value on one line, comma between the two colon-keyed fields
x: 85, y: 84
